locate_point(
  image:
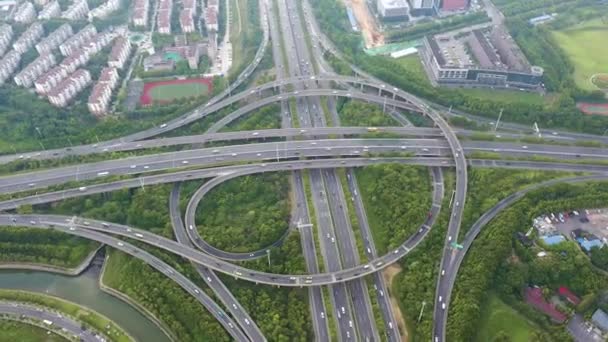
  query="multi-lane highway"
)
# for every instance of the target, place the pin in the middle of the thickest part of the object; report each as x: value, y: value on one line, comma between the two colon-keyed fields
x: 47, y: 318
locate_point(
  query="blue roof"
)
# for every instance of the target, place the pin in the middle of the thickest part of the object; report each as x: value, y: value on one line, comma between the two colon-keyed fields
x: 600, y: 319
x: 587, y: 245
x: 553, y: 239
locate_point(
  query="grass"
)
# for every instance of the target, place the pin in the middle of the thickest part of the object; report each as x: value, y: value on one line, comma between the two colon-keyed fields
x: 173, y: 91
x: 585, y: 45
x: 79, y: 313
x: 497, y: 316
x: 23, y: 332
x: 242, y: 34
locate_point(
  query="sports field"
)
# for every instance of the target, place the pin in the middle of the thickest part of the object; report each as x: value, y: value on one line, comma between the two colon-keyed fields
x: 593, y: 108
x: 496, y: 316
x: 586, y: 46
x: 167, y: 91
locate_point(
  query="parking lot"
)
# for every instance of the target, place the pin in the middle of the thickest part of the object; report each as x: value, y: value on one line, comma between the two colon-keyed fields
x: 582, y: 331
x: 597, y: 223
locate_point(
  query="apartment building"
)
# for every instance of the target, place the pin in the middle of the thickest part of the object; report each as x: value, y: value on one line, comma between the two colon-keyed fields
x: 104, y: 10
x: 102, y: 91
x: 53, y: 40
x: 120, y: 52
x: 6, y: 34
x: 163, y: 19
x: 28, y: 38
x: 45, y: 83
x: 189, y: 5
x: 77, y: 10
x: 25, y: 13
x: 185, y: 21
x: 215, y: 4
x: 41, y: 2
x: 67, y: 89
x: 8, y: 64
x: 140, y: 13
x: 82, y: 56
x: 77, y: 40
x: 211, y: 19
x: 50, y: 10
x: 32, y: 71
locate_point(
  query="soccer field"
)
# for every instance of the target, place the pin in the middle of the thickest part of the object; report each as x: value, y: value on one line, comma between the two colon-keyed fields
x: 585, y: 44
x: 170, y: 92
x: 497, y: 316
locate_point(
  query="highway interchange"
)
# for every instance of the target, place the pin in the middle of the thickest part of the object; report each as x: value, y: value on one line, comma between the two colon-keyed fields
x: 304, y: 77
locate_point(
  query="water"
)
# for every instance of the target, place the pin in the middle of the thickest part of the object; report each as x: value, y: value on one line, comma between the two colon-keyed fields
x: 85, y: 291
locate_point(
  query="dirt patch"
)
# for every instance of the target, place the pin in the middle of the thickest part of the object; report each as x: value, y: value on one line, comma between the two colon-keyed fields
x: 367, y: 23
x: 389, y: 274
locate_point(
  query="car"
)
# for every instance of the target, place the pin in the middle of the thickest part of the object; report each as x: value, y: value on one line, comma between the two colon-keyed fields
x: 366, y: 266
x: 322, y: 314
x: 443, y: 306
x: 197, y: 291
x: 146, y: 167
x: 440, y: 299
x: 247, y: 321
x: 209, y: 279
x: 216, y: 151
x: 238, y: 273
x: 82, y: 188
x: 333, y: 240
x: 255, y: 134
x: 234, y: 306
x: 442, y: 272
x: 524, y: 147
x: 369, y: 250
x: 450, y: 238
x: 163, y: 125
x: 139, y: 235
x: 185, y: 162
x: 343, y: 310
x: 72, y: 228
x: 396, y: 251
x: 133, y: 166
x: 381, y: 293
x: 350, y: 324
x: 292, y: 278
x: 234, y: 154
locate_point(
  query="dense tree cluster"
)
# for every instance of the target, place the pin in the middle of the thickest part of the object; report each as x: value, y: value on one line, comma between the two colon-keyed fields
x: 265, y: 118
x: 420, y: 30
x: 246, y: 213
x: 357, y: 113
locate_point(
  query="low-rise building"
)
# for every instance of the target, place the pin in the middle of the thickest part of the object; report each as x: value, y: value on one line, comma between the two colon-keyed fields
x: 211, y: 19
x: 32, y: 71
x: 393, y: 9
x: 67, y: 89
x: 77, y: 40
x: 120, y: 52
x: 77, y: 10
x: 25, y: 13
x: 28, y: 38
x: 158, y: 63
x: 534, y: 297
x: 6, y: 35
x: 565, y: 293
x: 102, y: 91
x: 163, y: 19
x: 140, y: 13
x: 50, y: 10
x: 185, y: 21
x: 53, y: 40
x: 45, y: 83
x: 75, y: 60
x: 600, y: 319
x: 104, y: 10
x: 8, y: 64
x: 41, y: 2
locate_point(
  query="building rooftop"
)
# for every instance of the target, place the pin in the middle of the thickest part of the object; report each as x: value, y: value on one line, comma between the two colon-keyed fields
x: 600, y: 318
x: 534, y: 297
x: 394, y: 4
x: 565, y: 292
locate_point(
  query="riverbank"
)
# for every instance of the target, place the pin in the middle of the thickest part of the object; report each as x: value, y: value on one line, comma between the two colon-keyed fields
x: 113, y: 292
x: 52, y: 268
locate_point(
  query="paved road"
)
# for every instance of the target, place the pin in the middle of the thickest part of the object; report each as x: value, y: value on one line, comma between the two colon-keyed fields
x: 59, y: 321
x: 70, y: 225
x: 450, y: 265
x: 211, y: 279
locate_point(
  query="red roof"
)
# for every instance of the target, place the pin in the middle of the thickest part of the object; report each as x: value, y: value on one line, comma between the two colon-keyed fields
x: 566, y: 293
x: 534, y: 297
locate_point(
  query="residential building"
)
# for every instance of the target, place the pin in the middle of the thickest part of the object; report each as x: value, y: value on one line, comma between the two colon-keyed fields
x: 77, y: 10
x: 120, y: 52
x: 25, y: 13
x: 393, y: 9
x: 189, y: 5
x: 104, y: 10
x: 163, y: 19
x: 600, y: 319
x: 53, y: 40
x: 454, y: 5
x: 140, y: 13
x: 67, y: 89
x: 568, y: 295
x: 185, y: 21
x: 423, y: 7
x: 534, y: 297
x: 28, y: 38
x: 6, y: 35
x: 215, y: 4
x: 8, y: 64
x: 75, y: 60
x: 32, y: 71
x: 50, y: 10
x: 41, y: 2
x: 45, y: 83
x: 102, y: 91
x: 211, y: 19
x: 77, y: 40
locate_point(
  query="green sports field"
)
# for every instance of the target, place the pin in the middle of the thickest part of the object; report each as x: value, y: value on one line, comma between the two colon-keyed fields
x: 586, y: 46
x: 169, y: 92
x: 497, y: 316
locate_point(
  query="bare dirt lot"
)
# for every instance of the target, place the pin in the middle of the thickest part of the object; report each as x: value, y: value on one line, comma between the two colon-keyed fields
x: 367, y: 23
x: 389, y: 273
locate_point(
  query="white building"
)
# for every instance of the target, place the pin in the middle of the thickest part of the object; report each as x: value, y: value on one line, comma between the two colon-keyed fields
x: 25, y: 13
x: 104, y: 10
x: 393, y: 8
x: 77, y: 10
x: 53, y: 40
x: 77, y: 40
x: 140, y: 13
x: 6, y: 35
x: 82, y: 56
x: 423, y: 7
x: 45, y: 83
x: 185, y: 21
x: 32, y: 71
x: 102, y: 91
x: 211, y: 19
x: 28, y: 38
x: 67, y: 89
x: 189, y: 5
x: 51, y: 10
x: 8, y: 64
x: 120, y: 52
